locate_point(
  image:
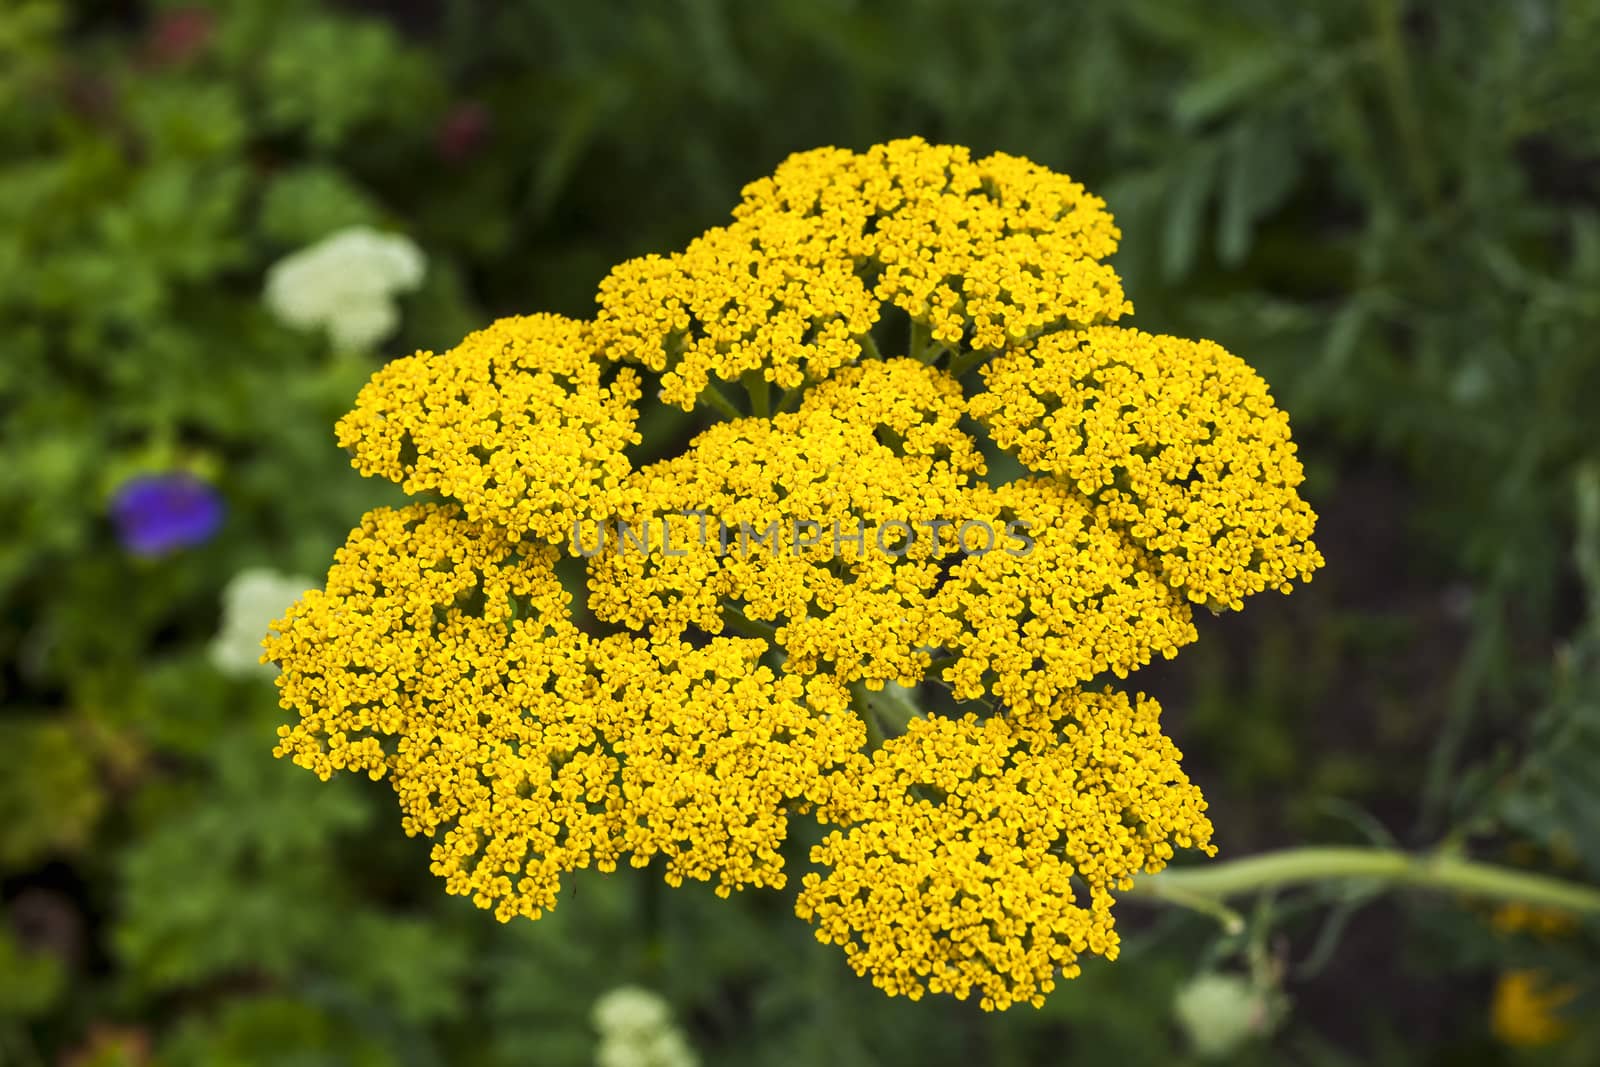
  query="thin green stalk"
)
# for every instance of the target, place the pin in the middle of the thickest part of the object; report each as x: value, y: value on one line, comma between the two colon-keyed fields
x: 791, y: 399
x: 1436, y: 871
x: 894, y: 706
x: 917, y: 347
x: 860, y: 700
x: 740, y: 623
x: 962, y: 362
x: 756, y: 385
x: 1152, y: 890
x: 712, y: 398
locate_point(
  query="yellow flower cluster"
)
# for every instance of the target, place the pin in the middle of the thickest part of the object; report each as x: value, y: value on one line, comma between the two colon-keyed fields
x: 1083, y: 602
x: 809, y: 522
x: 747, y: 600
x: 441, y: 653
x: 514, y: 422
x: 780, y: 300
x: 1526, y: 1009
x: 981, y: 855
x: 983, y: 253
x: 1177, y: 441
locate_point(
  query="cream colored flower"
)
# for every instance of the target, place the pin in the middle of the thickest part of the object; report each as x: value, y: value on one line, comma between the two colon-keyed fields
x: 251, y: 600
x: 346, y: 284
x: 636, y: 1030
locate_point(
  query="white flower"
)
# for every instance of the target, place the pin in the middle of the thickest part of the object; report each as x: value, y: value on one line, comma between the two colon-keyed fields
x: 636, y: 1030
x: 631, y: 1010
x: 667, y: 1048
x: 252, y: 601
x: 346, y: 284
x: 1221, y: 1012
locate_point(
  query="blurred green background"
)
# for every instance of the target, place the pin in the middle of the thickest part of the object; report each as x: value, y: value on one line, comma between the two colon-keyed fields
x: 1391, y: 208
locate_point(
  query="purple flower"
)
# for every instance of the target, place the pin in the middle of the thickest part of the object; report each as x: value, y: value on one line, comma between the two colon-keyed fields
x: 156, y: 513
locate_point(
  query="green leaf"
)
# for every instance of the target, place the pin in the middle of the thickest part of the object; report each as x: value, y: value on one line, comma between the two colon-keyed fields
x: 1261, y: 169
x: 1186, y: 205
x: 1249, y: 76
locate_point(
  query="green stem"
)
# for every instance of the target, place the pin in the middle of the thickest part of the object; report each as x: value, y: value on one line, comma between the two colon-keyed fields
x: 1436, y: 871
x: 869, y: 346
x: 860, y: 700
x: 756, y: 385
x: 887, y: 712
x: 962, y: 362
x: 791, y: 399
x: 740, y: 623
x: 712, y: 398
x: 918, y: 345
x: 1154, y: 891
x: 894, y: 706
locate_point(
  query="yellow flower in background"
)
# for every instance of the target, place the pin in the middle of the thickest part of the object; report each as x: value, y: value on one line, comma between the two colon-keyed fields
x: 1526, y: 1010
x: 1526, y: 1005
x: 892, y: 315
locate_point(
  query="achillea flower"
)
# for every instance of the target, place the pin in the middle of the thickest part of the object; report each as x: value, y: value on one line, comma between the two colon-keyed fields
x: 984, y: 252
x: 782, y: 301
x: 1178, y: 441
x: 980, y: 855
x: 981, y: 252
x: 798, y: 525
x: 442, y: 654
x: 746, y: 596
x: 160, y: 513
x: 346, y: 284
x: 1082, y: 602
x: 514, y: 422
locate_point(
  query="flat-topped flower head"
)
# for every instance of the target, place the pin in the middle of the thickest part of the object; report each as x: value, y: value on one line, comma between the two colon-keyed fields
x: 815, y: 522
x: 985, y: 252
x: 1082, y: 602
x: 1178, y: 441
x: 981, y: 252
x: 779, y: 300
x: 823, y: 603
x: 518, y: 423
x: 979, y: 856
x: 442, y: 656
